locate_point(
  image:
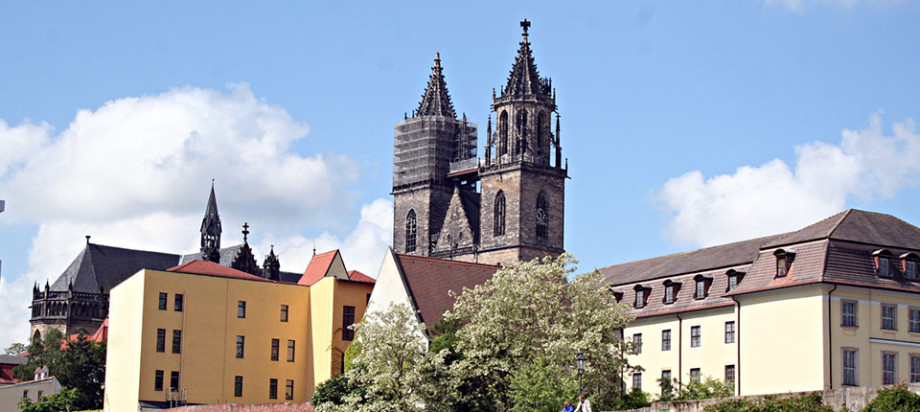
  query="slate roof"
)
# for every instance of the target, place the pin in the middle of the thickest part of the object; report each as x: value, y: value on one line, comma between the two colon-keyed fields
x: 103, y: 267
x: 13, y: 360
x: 430, y: 280
x: 436, y: 99
x: 835, y: 250
x: 227, y: 254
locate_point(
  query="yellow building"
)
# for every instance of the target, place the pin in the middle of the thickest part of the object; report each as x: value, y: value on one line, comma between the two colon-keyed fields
x: 836, y: 304
x: 204, y: 333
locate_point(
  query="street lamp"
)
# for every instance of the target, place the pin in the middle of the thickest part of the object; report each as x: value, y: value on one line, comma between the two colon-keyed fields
x: 580, y: 365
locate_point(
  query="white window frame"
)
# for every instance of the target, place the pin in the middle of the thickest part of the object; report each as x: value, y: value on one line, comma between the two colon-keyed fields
x: 663, y: 340
x: 889, y: 375
x: 696, y: 336
x: 889, y: 322
x: 730, y: 333
x: 853, y: 316
x: 854, y: 367
x: 637, y: 340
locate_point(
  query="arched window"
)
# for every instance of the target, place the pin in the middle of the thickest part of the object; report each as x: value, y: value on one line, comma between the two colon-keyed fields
x: 542, y: 217
x: 522, y: 132
x: 499, y: 223
x: 503, y: 133
x: 541, y: 132
x: 410, y: 231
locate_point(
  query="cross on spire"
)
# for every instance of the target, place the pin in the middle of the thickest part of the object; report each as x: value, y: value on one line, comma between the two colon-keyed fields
x: 245, y: 231
x: 525, y: 24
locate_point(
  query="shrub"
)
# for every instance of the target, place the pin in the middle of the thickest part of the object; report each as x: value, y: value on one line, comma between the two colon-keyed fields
x: 896, y: 399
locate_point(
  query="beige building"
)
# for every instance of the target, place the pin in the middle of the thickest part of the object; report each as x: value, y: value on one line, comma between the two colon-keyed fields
x: 836, y: 304
x: 43, y: 385
x: 203, y: 333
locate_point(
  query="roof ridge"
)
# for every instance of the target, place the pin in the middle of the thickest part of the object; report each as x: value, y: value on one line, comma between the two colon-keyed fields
x: 133, y: 250
x: 400, y: 255
x: 836, y: 225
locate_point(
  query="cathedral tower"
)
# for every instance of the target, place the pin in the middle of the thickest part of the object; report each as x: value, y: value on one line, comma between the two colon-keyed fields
x: 426, y: 147
x: 211, y: 230
x: 523, y: 179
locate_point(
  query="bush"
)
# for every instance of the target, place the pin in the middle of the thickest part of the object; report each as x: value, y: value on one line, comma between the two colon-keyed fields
x: 634, y: 399
x: 896, y: 399
x: 333, y: 390
x: 811, y: 402
x: 540, y: 387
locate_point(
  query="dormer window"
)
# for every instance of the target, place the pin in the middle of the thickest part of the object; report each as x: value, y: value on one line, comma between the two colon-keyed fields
x: 784, y: 258
x: 734, y: 277
x: 882, y: 259
x: 702, y: 286
x: 641, y: 296
x: 670, y: 291
x: 618, y: 296
x: 909, y: 265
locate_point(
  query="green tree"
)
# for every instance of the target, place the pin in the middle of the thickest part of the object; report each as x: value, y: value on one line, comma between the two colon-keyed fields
x: 334, y: 390
x: 633, y: 399
x: 536, y: 387
x: 78, y: 363
x: 529, y: 311
x: 896, y: 399
x: 58, y: 402
x: 16, y: 348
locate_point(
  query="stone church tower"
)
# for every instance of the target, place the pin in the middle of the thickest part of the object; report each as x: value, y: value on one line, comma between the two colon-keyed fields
x: 505, y: 207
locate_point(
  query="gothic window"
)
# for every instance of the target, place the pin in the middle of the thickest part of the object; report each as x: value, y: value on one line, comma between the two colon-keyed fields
x: 522, y: 131
x: 503, y: 133
x: 499, y: 223
x: 542, y: 217
x: 541, y: 132
x: 410, y: 231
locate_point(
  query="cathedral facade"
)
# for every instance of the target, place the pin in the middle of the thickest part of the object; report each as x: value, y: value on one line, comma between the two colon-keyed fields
x: 505, y: 207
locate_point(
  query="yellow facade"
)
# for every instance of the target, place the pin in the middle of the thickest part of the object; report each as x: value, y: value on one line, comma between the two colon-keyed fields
x: 216, y: 314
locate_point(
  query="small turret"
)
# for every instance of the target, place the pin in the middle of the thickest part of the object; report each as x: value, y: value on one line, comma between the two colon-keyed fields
x: 271, y: 266
x: 245, y: 261
x: 211, y: 230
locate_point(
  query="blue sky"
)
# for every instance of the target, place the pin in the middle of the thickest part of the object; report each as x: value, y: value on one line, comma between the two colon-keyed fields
x: 685, y: 123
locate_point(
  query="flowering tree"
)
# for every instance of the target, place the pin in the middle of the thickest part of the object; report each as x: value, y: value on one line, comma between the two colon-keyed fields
x: 531, y: 311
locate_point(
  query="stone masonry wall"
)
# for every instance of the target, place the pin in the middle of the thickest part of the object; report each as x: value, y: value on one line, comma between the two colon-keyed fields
x: 230, y: 407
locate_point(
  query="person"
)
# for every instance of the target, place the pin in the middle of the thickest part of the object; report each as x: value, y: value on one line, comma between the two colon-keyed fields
x: 568, y: 407
x: 584, y: 405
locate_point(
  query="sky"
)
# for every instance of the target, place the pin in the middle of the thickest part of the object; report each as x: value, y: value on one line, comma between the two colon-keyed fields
x: 685, y: 124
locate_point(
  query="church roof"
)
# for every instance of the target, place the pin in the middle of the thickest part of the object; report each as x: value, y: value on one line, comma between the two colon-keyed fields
x: 227, y: 255
x: 99, y: 267
x: 431, y: 280
x: 436, y: 99
x: 524, y: 78
x: 204, y: 267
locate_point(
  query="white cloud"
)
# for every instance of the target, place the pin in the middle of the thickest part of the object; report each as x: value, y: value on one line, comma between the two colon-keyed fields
x: 136, y: 172
x: 774, y: 197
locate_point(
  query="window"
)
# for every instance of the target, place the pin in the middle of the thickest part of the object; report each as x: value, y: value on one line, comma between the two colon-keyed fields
x: 174, y: 380
x: 284, y: 313
x: 666, y: 375
x: 641, y: 296
x: 161, y: 340
x: 276, y: 344
x: 177, y: 306
x: 910, y: 269
x: 290, y: 351
x: 348, y: 319
x: 890, y: 317
x: 783, y: 261
x: 848, y: 313
x: 238, y: 386
x: 694, y: 336
x: 240, y: 345
x: 666, y: 340
x: 637, y: 340
x: 40, y: 394
x: 25, y: 393
x: 884, y: 267
x: 241, y: 309
x: 272, y: 389
x: 730, y: 332
x: 914, y: 368
x: 163, y: 298
x: 411, y: 229
x: 669, y: 293
x: 637, y: 380
x: 498, y: 225
x: 734, y: 277
x: 695, y: 375
x: 177, y: 341
x: 503, y: 133
x: 914, y: 320
x: 700, y: 288
x: 889, y: 368
x: 850, y: 375
x: 542, y: 217
x: 289, y: 390
x: 158, y: 380
x: 730, y: 373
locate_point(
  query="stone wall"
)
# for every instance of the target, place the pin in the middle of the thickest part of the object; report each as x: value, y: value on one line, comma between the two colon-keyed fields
x: 261, y: 407
x: 853, y: 398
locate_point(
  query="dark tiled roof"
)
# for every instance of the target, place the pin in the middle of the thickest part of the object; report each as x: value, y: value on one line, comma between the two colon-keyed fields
x: 290, y: 277
x: 227, y: 255
x: 103, y: 267
x: 857, y: 226
x: 722, y: 256
x: 430, y: 280
x: 13, y: 360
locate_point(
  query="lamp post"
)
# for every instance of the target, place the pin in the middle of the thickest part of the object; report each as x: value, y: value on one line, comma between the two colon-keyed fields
x: 580, y: 365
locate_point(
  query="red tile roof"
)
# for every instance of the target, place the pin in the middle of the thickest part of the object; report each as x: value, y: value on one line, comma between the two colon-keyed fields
x: 317, y: 268
x: 356, y: 276
x: 430, y: 280
x: 203, y: 267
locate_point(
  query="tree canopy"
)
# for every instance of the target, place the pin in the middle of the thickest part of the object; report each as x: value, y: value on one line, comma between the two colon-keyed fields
x: 76, y: 363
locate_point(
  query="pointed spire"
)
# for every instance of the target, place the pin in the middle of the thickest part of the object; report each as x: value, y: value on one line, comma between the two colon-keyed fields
x: 271, y: 266
x: 524, y: 78
x: 245, y: 261
x: 211, y: 230
x: 489, y: 138
x: 436, y: 99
